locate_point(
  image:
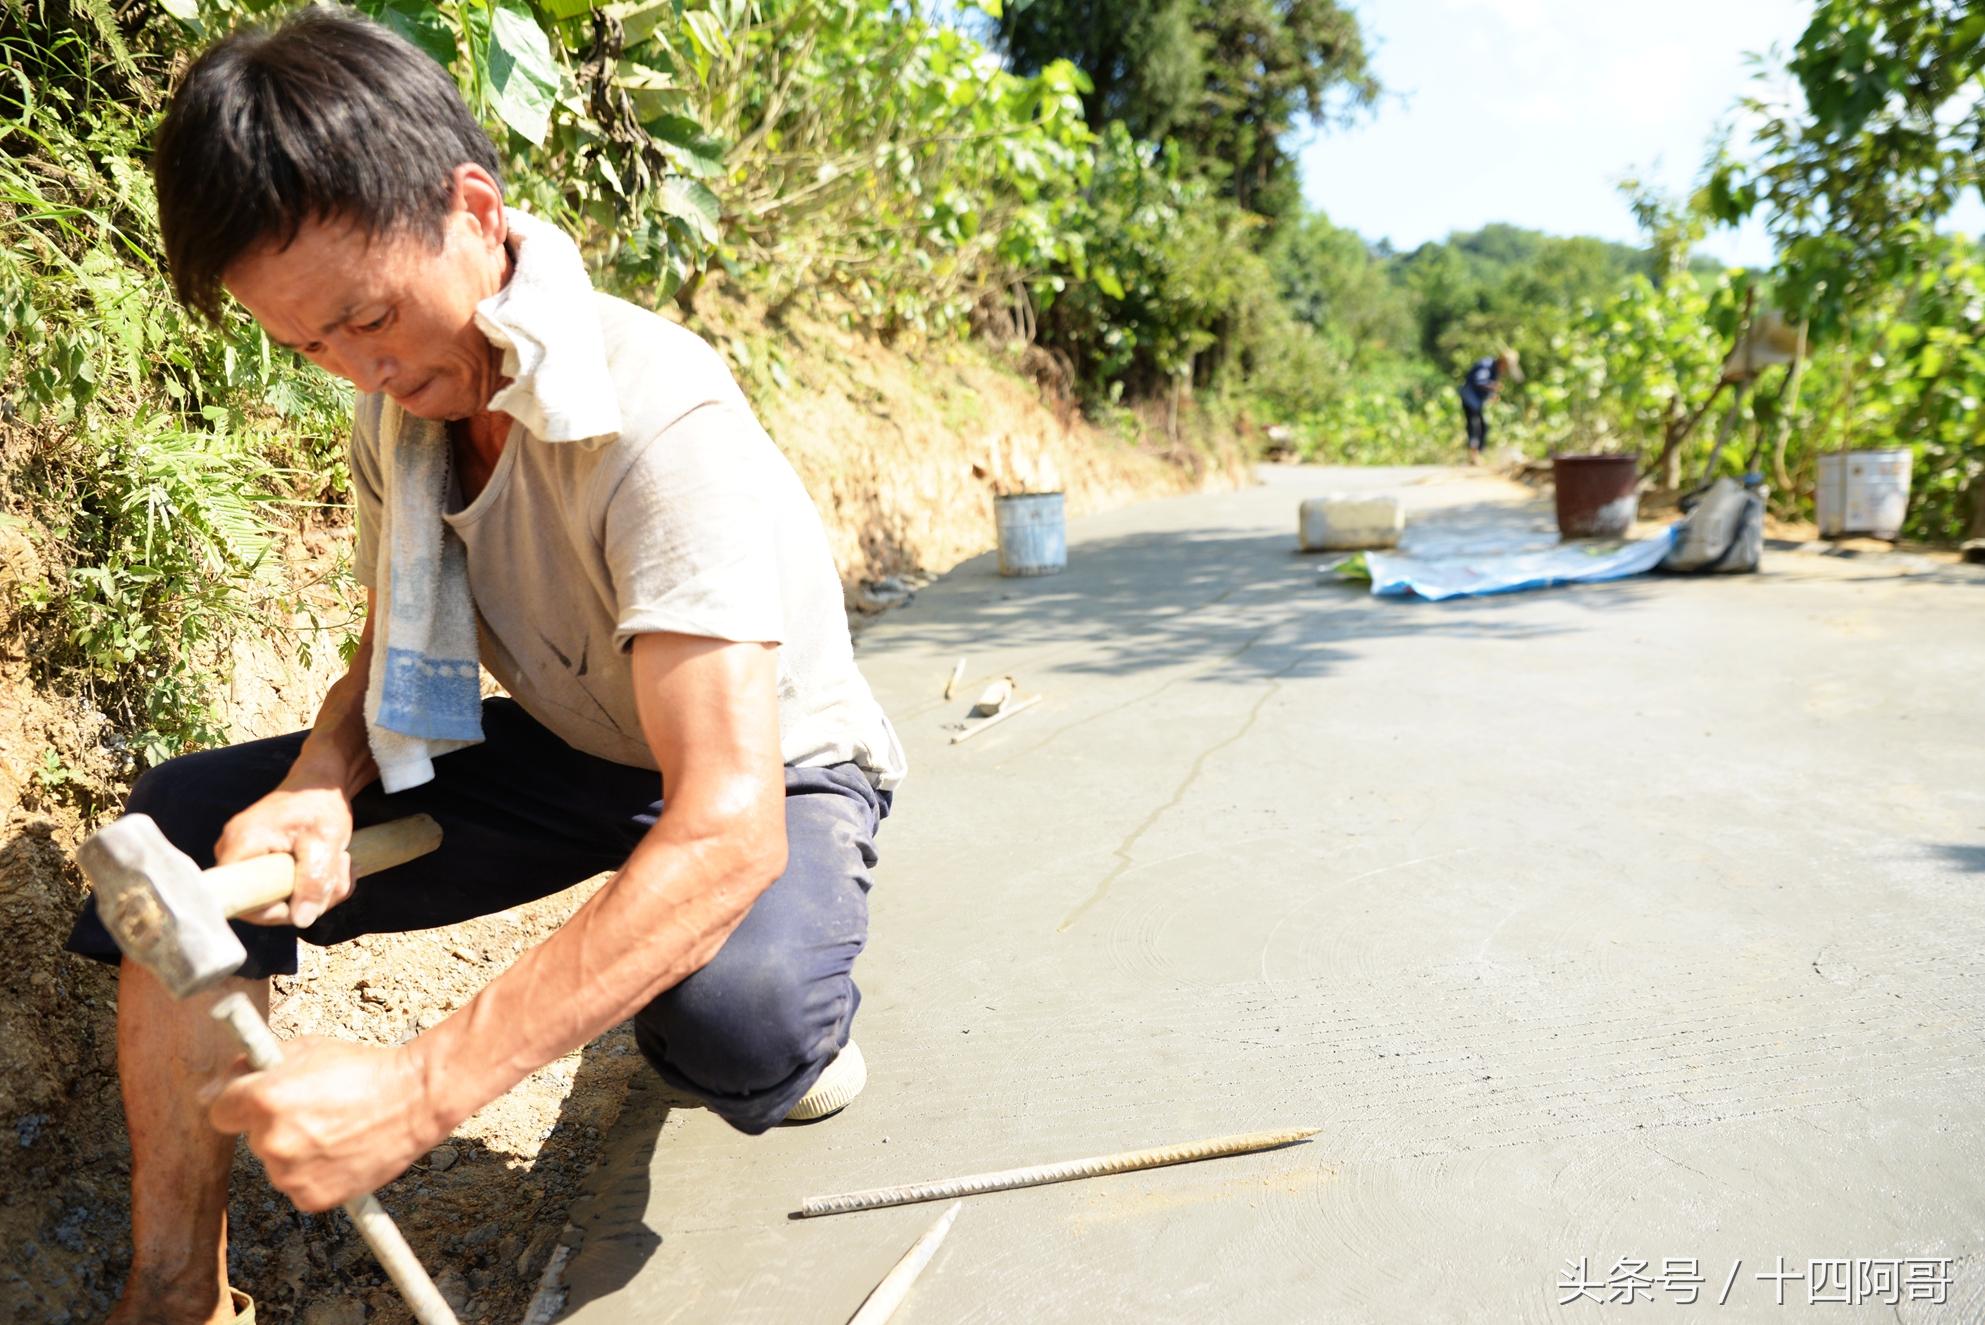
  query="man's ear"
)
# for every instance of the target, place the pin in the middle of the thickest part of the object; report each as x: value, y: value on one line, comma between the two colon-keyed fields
x: 478, y: 195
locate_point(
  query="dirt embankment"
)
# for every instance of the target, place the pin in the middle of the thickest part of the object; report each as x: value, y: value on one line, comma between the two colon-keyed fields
x: 903, y: 455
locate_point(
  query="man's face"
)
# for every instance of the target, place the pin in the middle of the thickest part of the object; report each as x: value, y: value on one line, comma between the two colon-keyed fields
x: 394, y: 313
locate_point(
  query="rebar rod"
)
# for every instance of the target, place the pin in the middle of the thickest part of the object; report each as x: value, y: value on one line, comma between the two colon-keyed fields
x: 1033, y: 1176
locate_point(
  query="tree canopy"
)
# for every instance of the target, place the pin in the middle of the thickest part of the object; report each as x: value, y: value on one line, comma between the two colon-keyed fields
x: 1228, y: 80
x: 1891, y: 135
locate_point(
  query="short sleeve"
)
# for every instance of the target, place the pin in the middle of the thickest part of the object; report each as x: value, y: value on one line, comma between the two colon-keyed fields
x: 367, y: 488
x: 690, y: 543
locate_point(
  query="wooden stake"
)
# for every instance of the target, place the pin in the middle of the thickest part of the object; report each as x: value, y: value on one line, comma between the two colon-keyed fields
x: 1017, y: 706
x: 895, y: 1285
x: 381, y: 1234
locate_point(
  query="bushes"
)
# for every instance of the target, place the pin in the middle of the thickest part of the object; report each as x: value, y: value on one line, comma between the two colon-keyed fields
x: 146, y: 450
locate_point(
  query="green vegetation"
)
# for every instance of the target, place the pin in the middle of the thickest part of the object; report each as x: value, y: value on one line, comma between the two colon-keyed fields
x: 1624, y: 349
x: 153, y: 452
x: 1108, y: 183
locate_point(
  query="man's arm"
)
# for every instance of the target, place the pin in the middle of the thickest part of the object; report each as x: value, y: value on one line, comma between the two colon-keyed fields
x: 308, y: 815
x: 337, y: 1119
x: 709, y: 710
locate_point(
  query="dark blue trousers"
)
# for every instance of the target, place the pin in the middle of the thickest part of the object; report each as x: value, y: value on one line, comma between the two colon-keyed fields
x: 524, y: 815
x: 1472, y: 406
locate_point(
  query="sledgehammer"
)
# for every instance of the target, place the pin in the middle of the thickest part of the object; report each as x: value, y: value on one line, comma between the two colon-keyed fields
x: 170, y: 916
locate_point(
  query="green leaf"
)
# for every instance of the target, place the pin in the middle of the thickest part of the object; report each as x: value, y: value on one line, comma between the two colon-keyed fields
x: 692, y: 201
x: 523, y: 79
x: 708, y: 34
x: 638, y: 22
x: 655, y: 95
x: 1107, y: 281
x: 680, y: 130
x: 697, y: 153
x: 564, y: 9
x: 186, y: 11
x: 419, y: 22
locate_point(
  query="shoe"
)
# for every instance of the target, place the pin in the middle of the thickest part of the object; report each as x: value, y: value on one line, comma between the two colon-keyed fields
x: 835, y: 1089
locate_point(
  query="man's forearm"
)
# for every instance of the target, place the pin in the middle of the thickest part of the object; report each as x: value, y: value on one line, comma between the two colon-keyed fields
x: 659, y: 920
x: 337, y: 753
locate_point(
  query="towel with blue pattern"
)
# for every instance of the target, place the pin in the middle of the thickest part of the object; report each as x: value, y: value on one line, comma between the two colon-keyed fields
x: 423, y: 695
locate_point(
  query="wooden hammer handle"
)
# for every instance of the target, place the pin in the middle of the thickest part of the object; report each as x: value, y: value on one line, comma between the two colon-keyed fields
x: 246, y: 885
x: 381, y: 1234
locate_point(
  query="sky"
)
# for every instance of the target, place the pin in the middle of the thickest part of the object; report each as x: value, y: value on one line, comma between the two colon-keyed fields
x: 1531, y: 111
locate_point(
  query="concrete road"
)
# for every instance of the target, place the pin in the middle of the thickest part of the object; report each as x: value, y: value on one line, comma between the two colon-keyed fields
x: 1626, y: 942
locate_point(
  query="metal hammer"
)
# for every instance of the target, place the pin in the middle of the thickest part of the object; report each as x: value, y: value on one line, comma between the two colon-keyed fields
x: 170, y: 917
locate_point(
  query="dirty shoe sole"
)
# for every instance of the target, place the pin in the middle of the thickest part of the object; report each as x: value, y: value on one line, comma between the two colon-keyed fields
x: 835, y: 1090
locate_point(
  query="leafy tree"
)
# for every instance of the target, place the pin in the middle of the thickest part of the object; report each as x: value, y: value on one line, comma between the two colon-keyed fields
x: 1228, y: 79
x: 1891, y: 135
x: 1334, y: 285
x: 1851, y: 185
x: 1504, y: 285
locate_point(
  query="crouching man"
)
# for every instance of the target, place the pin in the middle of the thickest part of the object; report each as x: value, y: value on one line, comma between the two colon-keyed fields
x: 573, y: 491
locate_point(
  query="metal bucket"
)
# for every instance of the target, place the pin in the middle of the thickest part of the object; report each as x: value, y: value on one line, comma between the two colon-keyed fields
x: 1863, y: 492
x: 1596, y: 494
x: 1033, y: 539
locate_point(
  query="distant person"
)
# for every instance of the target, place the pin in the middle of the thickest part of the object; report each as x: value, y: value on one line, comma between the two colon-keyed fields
x: 1479, y: 385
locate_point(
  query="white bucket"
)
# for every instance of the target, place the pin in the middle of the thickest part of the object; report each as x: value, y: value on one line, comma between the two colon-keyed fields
x: 1033, y: 538
x: 1863, y: 492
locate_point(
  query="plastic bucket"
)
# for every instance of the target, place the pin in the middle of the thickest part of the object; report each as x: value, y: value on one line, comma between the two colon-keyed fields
x: 1863, y: 492
x: 1033, y: 538
x: 1597, y: 495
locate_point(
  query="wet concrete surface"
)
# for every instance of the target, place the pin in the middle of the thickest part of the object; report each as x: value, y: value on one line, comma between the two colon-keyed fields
x: 1639, y: 923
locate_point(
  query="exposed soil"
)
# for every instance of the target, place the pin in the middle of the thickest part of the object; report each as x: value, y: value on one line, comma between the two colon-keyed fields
x: 903, y: 457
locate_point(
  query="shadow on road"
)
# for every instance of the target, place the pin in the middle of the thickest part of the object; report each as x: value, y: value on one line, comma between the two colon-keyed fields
x: 612, y: 1241
x: 1148, y: 602
x: 1964, y: 856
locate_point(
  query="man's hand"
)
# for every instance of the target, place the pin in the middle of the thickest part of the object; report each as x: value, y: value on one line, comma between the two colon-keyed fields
x: 333, y: 1120
x: 313, y: 823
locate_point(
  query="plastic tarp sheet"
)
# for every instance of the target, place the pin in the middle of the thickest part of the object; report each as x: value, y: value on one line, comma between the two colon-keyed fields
x: 1474, y: 576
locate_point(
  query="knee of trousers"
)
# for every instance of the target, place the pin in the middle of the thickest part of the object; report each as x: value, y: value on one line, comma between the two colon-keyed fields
x: 189, y: 810
x: 748, y: 1037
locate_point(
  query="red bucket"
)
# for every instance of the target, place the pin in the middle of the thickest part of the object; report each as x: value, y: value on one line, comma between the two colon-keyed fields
x: 1597, y: 494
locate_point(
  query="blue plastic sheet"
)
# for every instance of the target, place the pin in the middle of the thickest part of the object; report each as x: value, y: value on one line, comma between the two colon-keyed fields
x: 1474, y: 576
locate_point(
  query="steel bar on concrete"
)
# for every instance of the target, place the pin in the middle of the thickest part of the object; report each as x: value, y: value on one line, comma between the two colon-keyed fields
x: 1036, y: 1175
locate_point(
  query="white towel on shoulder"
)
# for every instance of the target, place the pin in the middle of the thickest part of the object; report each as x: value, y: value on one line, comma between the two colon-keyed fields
x: 548, y: 326
x: 423, y: 694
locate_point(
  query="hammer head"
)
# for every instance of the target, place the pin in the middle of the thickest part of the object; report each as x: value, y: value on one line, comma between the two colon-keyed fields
x: 151, y: 898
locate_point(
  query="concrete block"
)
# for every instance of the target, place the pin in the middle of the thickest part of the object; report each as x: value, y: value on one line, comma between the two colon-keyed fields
x: 1344, y: 522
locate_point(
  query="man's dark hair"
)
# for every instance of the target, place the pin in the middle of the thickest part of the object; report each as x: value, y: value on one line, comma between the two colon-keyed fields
x: 326, y: 116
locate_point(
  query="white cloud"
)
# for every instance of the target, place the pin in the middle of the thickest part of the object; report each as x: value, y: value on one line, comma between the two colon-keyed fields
x: 1645, y: 87
x: 1524, y: 15
x: 1534, y: 109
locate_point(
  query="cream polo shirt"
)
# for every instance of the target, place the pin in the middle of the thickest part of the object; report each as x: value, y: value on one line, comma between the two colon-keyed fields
x: 689, y: 521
